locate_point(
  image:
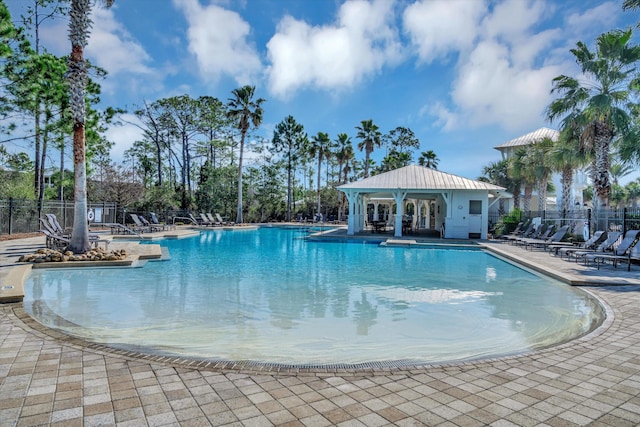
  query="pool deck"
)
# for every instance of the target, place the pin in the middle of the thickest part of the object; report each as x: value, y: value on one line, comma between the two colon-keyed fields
x: 47, y: 378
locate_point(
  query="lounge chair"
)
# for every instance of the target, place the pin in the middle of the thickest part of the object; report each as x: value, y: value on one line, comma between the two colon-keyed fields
x: 55, y: 225
x: 152, y: 227
x: 194, y: 220
x: 52, y: 231
x: 204, y: 220
x: 138, y: 224
x: 607, y: 245
x: 212, y: 220
x: 516, y: 232
x: 223, y: 222
x: 632, y: 255
x: 621, y: 251
x: 524, y: 231
x: 530, y: 232
x: 156, y: 223
x: 562, y: 249
x: 54, y: 241
x: 542, y: 234
x: 555, y: 238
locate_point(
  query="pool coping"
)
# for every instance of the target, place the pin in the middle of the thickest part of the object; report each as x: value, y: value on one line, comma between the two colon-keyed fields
x: 271, y: 367
x: 261, y: 367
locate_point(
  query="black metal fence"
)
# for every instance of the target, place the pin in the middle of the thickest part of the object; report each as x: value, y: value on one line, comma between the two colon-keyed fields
x: 22, y: 216
x: 594, y: 219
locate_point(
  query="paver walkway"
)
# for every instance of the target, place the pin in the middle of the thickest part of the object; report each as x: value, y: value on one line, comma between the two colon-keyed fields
x: 48, y: 380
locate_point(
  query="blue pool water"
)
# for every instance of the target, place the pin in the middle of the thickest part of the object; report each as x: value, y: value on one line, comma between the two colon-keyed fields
x: 269, y: 295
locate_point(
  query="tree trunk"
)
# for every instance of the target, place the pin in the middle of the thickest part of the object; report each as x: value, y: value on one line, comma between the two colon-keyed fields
x: 601, y: 184
x: 61, y: 187
x: 289, y: 167
x: 319, y: 171
x: 36, y: 178
x: 239, y: 215
x: 77, y: 76
x: 80, y: 237
x: 516, y: 197
x: 567, y: 182
x: 528, y: 191
x: 542, y: 193
x: 367, y: 153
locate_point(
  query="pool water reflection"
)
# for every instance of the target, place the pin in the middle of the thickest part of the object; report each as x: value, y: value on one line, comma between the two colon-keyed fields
x: 269, y: 295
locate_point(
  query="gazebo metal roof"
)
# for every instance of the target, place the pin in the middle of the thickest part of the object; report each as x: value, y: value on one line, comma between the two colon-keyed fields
x: 414, y: 177
x: 530, y: 138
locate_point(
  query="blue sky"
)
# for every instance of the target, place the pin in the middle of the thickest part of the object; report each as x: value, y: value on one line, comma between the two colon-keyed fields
x: 464, y: 75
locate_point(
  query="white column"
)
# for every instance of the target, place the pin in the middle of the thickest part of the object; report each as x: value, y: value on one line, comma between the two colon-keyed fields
x: 351, y: 221
x: 363, y: 211
x: 427, y: 213
x: 375, y: 210
x: 399, y: 197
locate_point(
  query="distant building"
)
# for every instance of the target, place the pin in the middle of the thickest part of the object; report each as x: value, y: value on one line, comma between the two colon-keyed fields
x: 580, y: 179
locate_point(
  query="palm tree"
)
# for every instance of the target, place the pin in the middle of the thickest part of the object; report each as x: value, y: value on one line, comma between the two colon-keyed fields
x: 371, y: 138
x: 342, y: 143
x: 520, y: 170
x: 79, y: 26
x: 598, y: 106
x: 289, y: 138
x: 320, y: 146
x: 498, y: 173
x: 344, y: 154
x: 428, y: 159
x: 245, y: 112
x: 538, y: 159
x: 631, y: 5
x: 619, y: 170
x: 566, y: 157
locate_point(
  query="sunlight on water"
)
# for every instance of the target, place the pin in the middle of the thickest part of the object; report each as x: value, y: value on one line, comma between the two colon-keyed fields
x: 270, y: 295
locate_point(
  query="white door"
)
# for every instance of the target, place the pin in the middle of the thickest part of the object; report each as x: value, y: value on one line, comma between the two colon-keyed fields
x: 475, y: 217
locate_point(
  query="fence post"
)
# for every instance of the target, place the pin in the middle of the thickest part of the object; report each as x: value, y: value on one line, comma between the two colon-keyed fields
x: 10, y: 215
x: 624, y: 221
x: 589, y: 220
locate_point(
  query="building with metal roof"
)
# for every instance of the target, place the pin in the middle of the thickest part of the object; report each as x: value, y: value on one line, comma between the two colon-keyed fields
x: 454, y: 205
x: 538, y: 135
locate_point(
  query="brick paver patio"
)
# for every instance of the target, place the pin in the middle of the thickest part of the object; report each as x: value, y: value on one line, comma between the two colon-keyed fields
x: 49, y: 379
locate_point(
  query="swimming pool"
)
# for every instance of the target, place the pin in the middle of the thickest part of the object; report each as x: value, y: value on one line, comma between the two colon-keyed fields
x: 270, y: 295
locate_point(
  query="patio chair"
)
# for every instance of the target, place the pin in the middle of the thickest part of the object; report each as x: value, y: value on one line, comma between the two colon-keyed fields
x: 57, y: 242
x: 528, y: 233
x: 223, y: 222
x: 194, y: 220
x: 632, y: 255
x: 515, y: 232
x: 55, y: 225
x: 138, y: 224
x: 204, y: 220
x: 152, y: 227
x: 155, y: 222
x: 562, y: 249
x: 212, y: 220
x: 607, y: 245
x: 541, y: 234
x: 621, y: 251
x: 555, y: 238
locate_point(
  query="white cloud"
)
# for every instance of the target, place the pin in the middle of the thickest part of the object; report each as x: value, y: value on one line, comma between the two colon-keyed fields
x: 502, y: 76
x: 490, y: 89
x: 445, y: 118
x: 111, y: 46
x: 359, y: 44
x: 439, y: 27
x: 218, y: 39
x: 124, y: 136
x: 603, y: 15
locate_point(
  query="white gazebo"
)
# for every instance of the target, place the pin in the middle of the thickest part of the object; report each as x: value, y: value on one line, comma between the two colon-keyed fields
x: 457, y: 207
